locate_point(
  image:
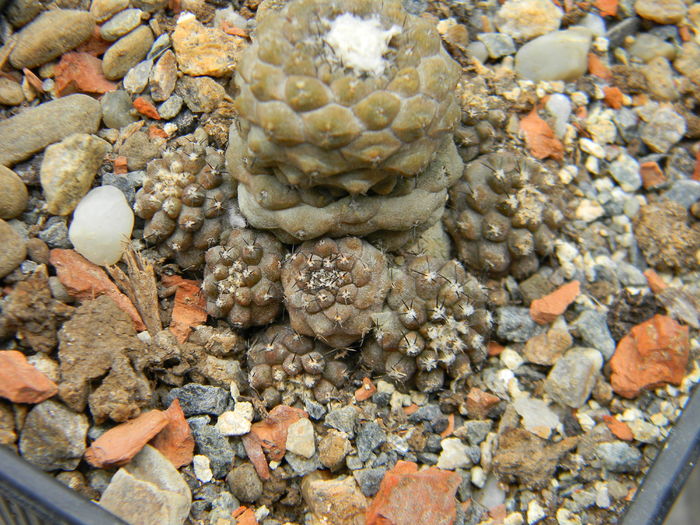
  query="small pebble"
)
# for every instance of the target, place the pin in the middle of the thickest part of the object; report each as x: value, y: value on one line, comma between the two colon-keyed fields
x: 527, y: 19
x: 619, y: 457
x: 515, y: 324
x: 300, y: 438
x: 661, y: 11
x: 163, y: 77
x: 561, y: 55
x: 369, y: 480
x: 684, y: 192
x: 370, y: 436
x: 14, y: 249
x: 116, y: 109
x: 453, y: 455
x: 663, y: 129
x: 11, y: 93
x: 572, y: 378
x: 104, y: 9
x: 216, y: 447
x: 497, y: 44
x: 13, y: 194
x: 593, y: 329
x: 236, y: 422
x: 199, y: 399
x: 171, y: 107
x: 120, y: 24
x: 647, y: 47
x: 102, y: 225
x: 244, y: 483
x: 343, y: 419
x: 126, y: 52
x: 202, y: 468
x: 625, y: 171
x: 136, y: 79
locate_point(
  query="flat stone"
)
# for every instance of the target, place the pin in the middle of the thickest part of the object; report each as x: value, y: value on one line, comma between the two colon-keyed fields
x: 664, y: 129
x: 198, y: 399
x: 163, y: 77
x: 120, y: 444
x: 592, y: 328
x: 50, y: 35
x: 560, y: 55
x: 126, y: 52
x: 139, y: 150
x: 474, y: 431
x: 497, y: 45
x: 11, y: 93
x: 538, y: 418
x: 171, y: 107
x: 343, y: 419
x: 236, y: 422
x: 571, y: 380
x: 14, y: 249
x: 688, y: 61
x: 148, y: 491
x: 68, y: 170
x: 515, y: 324
x: 453, y: 454
x: 49, y: 122
x: 684, y: 192
x: 53, y: 436
x: 619, y: 457
x: 13, y: 194
x: 302, y: 466
x: 546, y: 309
x: 205, y: 50
x: 527, y: 19
x: 545, y: 349
x: 136, y: 79
x: 660, y: 79
x: 370, y: 436
x: 300, y: 438
x: 20, y: 382
x: 120, y: 24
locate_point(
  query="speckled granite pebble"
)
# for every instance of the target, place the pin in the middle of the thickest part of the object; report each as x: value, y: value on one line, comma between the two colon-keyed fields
x: 49, y: 122
x: 126, y: 52
x: 50, y: 35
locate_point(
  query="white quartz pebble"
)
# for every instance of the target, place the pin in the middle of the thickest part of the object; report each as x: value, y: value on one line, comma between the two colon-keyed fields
x: 102, y: 224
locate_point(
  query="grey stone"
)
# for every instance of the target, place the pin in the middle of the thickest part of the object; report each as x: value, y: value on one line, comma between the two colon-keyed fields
x: 120, y: 24
x: 148, y: 491
x: 55, y: 233
x: 560, y: 55
x: 53, y: 436
x: 353, y: 462
x: 369, y: 437
x: 617, y: 33
x: 573, y: 376
x: 14, y: 249
x: 515, y: 324
x: 163, y: 77
x: 343, y: 419
x: 369, y: 480
x: 198, y: 399
x: 497, y: 44
x: 428, y: 458
x: 592, y: 328
x: 474, y: 431
x: 211, y: 443
x: 68, y: 170
x: 136, y: 79
x: 626, y: 121
x: 431, y: 414
x: 684, y: 192
x: 629, y: 275
x: 244, y: 483
x: 32, y: 130
x: 625, y: 171
x: 620, y: 457
x: 49, y: 36
x: 139, y: 149
x: 663, y: 130
x: 159, y: 47
x: 171, y: 107
x: 301, y: 465
x: 126, y: 52
x: 116, y: 109
x: 315, y: 410
x: 124, y: 183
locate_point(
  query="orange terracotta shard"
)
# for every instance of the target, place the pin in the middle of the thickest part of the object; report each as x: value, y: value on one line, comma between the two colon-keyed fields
x: 479, y: 403
x: 407, y: 496
x: 175, y: 441
x: 366, y: 391
x: 81, y: 73
x: 613, y: 96
x: 120, y: 444
x: 190, y: 306
x: 146, y: 108
x: 20, y: 382
x: 85, y: 280
x: 597, y: 68
x: 655, y: 281
x: 606, y: 7
x: 546, y: 309
x: 652, y: 176
x: 620, y: 429
x: 245, y: 516
x: 653, y: 354
x: 272, y: 431
x: 540, y: 138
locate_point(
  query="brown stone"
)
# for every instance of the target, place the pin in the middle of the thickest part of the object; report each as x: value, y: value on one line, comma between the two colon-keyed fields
x: 175, y: 441
x: 20, y: 382
x: 545, y: 349
x: 548, y: 308
x: 653, y: 354
x: 333, y: 500
x: 479, y: 403
x: 661, y: 11
x: 120, y: 444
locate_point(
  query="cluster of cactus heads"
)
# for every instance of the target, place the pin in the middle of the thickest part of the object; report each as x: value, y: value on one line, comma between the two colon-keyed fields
x: 242, y: 278
x: 281, y: 356
x: 185, y: 201
x: 321, y: 139
x: 435, y: 323
x: 332, y: 288
x: 503, y: 214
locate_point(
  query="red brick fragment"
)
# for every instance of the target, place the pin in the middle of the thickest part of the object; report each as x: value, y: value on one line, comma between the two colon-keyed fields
x: 121, y: 165
x: 546, y: 309
x: 120, y: 444
x: 175, y: 441
x: 272, y: 431
x: 652, y: 176
x: 613, y: 96
x: 407, y: 496
x: 597, y: 68
x: 146, y: 108
x: 620, y: 429
x: 81, y: 73
x: 85, y: 280
x: 540, y: 138
x: 190, y: 308
x: 366, y: 391
x: 654, y: 280
x: 606, y: 7
x: 479, y: 403
x: 245, y: 516
x: 20, y: 382
x: 653, y: 354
